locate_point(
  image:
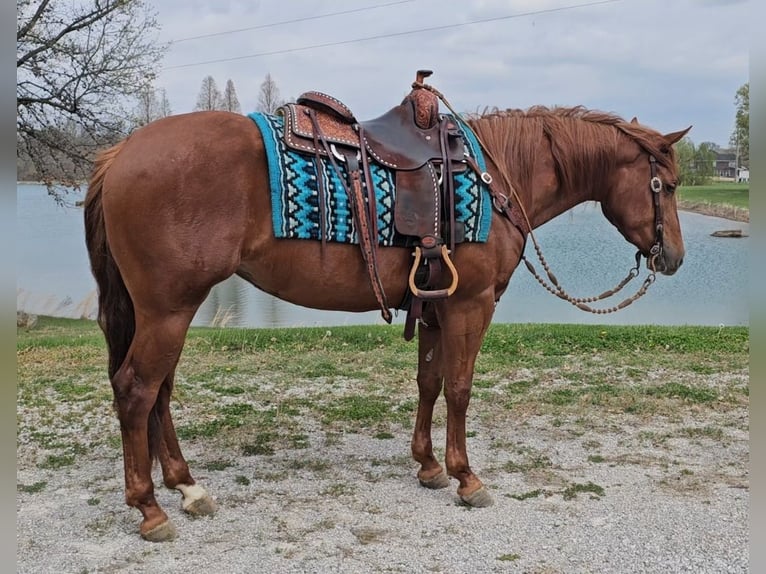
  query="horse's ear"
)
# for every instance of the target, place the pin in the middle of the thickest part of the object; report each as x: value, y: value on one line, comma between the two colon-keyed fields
x: 673, y: 137
x: 634, y: 120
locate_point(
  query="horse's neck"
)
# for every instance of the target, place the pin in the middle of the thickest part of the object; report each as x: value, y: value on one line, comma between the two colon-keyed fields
x: 549, y: 193
x: 548, y: 201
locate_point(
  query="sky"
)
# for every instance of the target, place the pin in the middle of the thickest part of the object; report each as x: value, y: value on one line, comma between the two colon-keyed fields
x: 670, y: 63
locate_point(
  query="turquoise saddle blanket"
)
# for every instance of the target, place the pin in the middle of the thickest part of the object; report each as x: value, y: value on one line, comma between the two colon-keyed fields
x: 295, y: 193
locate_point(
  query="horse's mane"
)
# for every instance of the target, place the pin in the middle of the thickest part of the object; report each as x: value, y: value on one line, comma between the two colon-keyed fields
x: 583, y: 141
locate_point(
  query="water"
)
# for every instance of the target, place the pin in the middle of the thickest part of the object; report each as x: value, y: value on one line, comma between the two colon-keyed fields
x: 585, y: 252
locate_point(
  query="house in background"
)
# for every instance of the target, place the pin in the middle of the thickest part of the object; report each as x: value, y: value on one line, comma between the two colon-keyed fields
x: 726, y: 164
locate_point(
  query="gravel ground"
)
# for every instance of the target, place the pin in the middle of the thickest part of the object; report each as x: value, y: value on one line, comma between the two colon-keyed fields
x: 607, y: 495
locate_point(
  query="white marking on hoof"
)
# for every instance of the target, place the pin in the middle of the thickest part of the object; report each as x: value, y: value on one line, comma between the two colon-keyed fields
x: 441, y: 480
x: 162, y: 533
x: 196, y: 501
x: 479, y: 499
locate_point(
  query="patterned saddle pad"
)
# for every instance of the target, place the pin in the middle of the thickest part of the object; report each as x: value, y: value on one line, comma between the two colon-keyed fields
x: 295, y: 194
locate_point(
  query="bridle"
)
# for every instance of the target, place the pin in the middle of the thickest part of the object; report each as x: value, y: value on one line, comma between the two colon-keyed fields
x: 502, y: 203
x: 655, y: 187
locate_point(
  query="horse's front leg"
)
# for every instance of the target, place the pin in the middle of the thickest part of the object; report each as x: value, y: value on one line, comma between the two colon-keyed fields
x: 431, y: 474
x: 464, y: 324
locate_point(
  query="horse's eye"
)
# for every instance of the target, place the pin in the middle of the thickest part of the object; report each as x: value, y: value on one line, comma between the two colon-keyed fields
x: 670, y: 187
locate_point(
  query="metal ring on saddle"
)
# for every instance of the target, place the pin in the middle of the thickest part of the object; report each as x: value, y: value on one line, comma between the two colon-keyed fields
x: 339, y: 156
x: 500, y: 201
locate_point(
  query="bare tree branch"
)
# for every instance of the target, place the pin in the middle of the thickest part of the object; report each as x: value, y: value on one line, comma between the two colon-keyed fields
x: 78, y: 65
x: 269, y: 98
x: 209, y: 97
x: 230, y: 99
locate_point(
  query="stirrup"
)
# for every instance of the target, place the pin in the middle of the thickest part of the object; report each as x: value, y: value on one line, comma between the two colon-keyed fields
x: 435, y: 293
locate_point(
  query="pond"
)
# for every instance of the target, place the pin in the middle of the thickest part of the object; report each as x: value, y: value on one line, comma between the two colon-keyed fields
x: 584, y: 251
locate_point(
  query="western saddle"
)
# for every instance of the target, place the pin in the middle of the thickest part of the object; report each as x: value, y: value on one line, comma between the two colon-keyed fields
x: 423, y: 148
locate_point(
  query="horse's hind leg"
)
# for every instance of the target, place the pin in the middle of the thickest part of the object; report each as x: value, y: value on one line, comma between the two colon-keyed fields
x: 152, y: 356
x: 431, y: 474
x: 175, y: 470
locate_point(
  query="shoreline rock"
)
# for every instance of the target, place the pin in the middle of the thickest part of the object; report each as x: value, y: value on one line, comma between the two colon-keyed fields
x: 723, y: 211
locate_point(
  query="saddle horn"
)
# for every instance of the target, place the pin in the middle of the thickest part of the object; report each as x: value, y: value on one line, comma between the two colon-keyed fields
x: 421, y: 75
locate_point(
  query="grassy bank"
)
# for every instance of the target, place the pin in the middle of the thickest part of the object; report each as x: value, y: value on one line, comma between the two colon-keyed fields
x: 255, y: 391
x: 724, y: 199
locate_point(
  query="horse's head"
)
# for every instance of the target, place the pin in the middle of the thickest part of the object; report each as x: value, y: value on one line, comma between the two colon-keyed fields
x: 641, y: 201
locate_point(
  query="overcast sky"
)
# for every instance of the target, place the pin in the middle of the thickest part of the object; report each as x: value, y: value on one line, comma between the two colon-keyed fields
x: 671, y: 63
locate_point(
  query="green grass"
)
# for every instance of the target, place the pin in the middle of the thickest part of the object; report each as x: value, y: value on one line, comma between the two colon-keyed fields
x: 259, y: 391
x: 512, y: 557
x: 384, y: 343
x: 32, y: 488
x: 684, y: 392
x: 573, y: 490
x: 361, y: 409
x: 53, y: 332
x: 736, y: 194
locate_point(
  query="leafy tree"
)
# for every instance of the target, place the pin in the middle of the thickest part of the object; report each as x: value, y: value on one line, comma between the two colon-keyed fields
x: 77, y: 65
x: 740, y: 137
x: 704, y: 162
x: 695, y: 163
x: 269, y: 98
x: 230, y: 102
x: 209, y: 97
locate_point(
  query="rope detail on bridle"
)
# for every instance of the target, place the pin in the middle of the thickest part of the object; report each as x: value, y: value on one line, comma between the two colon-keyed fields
x: 582, y: 302
x: 501, y: 204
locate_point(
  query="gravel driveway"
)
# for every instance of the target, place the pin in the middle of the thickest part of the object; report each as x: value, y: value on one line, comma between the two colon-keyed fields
x: 628, y: 494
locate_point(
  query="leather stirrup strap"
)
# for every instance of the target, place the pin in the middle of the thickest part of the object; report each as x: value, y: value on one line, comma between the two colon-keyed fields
x: 414, y: 313
x: 320, y: 179
x: 369, y: 189
x: 355, y: 195
x: 448, y: 183
x: 366, y: 242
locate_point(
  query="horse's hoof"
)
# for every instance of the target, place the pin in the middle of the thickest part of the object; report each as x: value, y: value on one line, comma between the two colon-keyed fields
x: 204, y: 506
x: 480, y: 498
x: 161, y: 533
x: 441, y: 480
x: 196, y: 501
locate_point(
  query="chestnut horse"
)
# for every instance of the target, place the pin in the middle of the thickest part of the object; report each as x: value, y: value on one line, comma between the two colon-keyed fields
x: 184, y: 202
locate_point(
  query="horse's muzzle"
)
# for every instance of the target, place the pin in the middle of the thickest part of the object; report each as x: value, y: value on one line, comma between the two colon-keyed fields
x: 667, y: 262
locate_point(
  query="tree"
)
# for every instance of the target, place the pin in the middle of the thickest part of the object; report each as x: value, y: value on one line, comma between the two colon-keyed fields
x: 152, y: 105
x: 77, y: 66
x: 164, y: 109
x: 209, y: 97
x: 146, y: 110
x: 695, y: 163
x: 740, y: 137
x: 269, y: 99
x: 230, y: 101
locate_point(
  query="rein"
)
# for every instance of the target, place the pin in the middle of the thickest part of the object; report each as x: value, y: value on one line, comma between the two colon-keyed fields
x: 502, y: 204
x: 655, y: 186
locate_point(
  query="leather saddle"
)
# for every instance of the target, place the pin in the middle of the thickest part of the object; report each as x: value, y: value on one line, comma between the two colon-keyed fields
x: 395, y: 139
x: 423, y: 147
